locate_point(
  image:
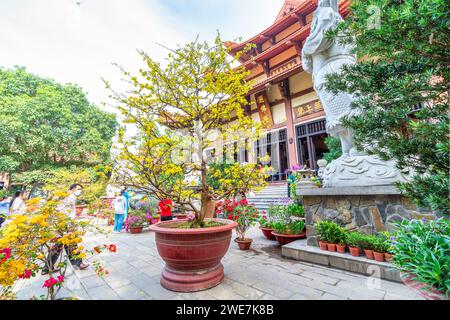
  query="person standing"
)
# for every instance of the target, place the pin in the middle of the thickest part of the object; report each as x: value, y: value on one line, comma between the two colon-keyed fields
x: 4, y: 209
x: 120, y: 209
x: 17, y: 205
x: 165, y: 209
x: 68, y: 207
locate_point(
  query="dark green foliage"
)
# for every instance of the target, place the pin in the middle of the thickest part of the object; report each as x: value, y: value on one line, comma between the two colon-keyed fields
x: 406, y: 59
x: 334, y: 149
x: 422, y: 248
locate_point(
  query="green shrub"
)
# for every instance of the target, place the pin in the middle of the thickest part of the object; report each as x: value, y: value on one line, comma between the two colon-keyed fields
x: 296, y: 210
x: 330, y: 232
x: 355, y: 239
x: 422, y: 248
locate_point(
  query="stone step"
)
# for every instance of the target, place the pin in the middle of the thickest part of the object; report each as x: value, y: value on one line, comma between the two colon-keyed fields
x: 299, y: 250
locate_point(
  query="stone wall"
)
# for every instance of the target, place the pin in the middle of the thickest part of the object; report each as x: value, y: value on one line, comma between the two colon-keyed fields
x: 357, y: 210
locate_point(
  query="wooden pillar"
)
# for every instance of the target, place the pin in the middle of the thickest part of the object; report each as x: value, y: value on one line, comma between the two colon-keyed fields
x: 286, y: 94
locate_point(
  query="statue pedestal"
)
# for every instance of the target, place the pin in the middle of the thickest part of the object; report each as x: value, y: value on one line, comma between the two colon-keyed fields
x: 367, y: 209
x: 361, y: 171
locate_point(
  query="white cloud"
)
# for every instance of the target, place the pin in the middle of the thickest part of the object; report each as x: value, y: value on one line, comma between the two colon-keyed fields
x: 77, y: 44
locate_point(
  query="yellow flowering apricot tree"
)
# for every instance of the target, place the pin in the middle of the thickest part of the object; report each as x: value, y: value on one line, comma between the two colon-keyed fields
x: 29, y: 241
x: 196, y: 101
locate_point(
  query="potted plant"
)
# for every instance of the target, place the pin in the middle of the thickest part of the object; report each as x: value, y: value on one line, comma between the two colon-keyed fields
x: 266, y: 226
x: 329, y: 232
x: 168, y: 154
x: 134, y: 223
x: 367, y: 243
x: 25, y: 244
x: 342, y: 240
x: 296, y: 210
x: 321, y: 230
x: 378, y: 248
x: 354, y: 243
x: 288, y: 232
x: 245, y: 215
x: 421, y: 250
x: 388, y: 246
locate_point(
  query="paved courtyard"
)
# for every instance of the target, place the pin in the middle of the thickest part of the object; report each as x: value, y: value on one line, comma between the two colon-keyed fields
x: 260, y: 273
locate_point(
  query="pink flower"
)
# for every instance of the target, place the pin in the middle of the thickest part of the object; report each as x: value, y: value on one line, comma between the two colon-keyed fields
x: 190, y: 217
x: 50, y: 283
x: 60, y: 278
x: 6, y: 253
x: 26, y: 274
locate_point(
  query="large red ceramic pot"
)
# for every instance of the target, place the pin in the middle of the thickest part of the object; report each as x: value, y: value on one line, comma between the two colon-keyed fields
x: 192, y: 256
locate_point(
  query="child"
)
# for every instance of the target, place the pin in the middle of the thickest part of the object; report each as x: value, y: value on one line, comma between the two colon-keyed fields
x: 165, y: 207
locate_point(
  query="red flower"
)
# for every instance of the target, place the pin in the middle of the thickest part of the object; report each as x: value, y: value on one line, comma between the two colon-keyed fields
x: 6, y: 253
x: 60, y: 278
x: 50, y: 283
x: 26, y: 274
x: 243, y: 202
x: 112, y: 248
x: 230, y: 217
x: 97, y: 249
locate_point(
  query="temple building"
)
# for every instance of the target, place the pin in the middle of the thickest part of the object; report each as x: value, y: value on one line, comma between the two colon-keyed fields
x: 283, y: 98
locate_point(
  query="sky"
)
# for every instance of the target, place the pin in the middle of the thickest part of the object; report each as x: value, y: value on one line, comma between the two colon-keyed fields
x: 77, y: 41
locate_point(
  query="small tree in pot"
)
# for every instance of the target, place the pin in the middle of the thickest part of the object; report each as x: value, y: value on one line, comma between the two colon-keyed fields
x: 181, y: 110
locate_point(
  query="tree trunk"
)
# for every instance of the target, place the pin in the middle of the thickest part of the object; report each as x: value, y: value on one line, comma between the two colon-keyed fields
x: 208, y: 208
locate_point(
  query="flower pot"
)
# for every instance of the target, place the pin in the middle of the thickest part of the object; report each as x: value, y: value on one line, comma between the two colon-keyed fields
x: 388, y: 257
x: 135, y: 230
x: 331, y: 247
x: 181, y: 216
x: 422, y: 288
x: 369, y: 254
x: 287, y: 238
x: 340, y: 248
x: 267, y: 232
x: 244, y: 244
x: 192, y: 256
x: 379, y: 256
x: 354, y: 251
x: 323, y: 245
x: 110, y: 222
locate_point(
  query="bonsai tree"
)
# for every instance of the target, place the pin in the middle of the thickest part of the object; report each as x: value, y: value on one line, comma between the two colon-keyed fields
x: 181, y: 109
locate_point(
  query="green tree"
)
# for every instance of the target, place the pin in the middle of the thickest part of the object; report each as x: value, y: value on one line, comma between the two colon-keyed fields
x: 178, y: 108
x: 404, y: 54
x: 46, y: 125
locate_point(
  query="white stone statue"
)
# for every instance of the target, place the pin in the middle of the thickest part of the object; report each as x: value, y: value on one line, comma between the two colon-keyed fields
x: 320, y: 57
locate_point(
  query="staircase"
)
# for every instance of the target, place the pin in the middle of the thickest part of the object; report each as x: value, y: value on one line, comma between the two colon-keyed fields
x: 270, y: 195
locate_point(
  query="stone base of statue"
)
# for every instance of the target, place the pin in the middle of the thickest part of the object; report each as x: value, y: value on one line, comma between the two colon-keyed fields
x: 361, y: 170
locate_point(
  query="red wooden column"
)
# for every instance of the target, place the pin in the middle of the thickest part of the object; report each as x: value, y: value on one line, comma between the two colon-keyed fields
x: 286, y: 94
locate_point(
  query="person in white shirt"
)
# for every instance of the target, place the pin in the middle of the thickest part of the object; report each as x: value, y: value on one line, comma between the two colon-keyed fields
x: 68, y: 207
x: 120, y: 208
x: 17, y: 205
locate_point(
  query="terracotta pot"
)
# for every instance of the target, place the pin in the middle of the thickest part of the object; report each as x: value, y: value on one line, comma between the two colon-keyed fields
x: 422, y: 288
x: 340, y: 248
x: 354, y: 251
x: 135, y: 230
x: 244, y: 244
x: 379, y: 256
x: 267, y: 232
x: 323, y: 246
x: 287, y: 238
x: 331, y: 247
x: 192, y: 256
x: 388, y: 257
x: 369, y: 254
